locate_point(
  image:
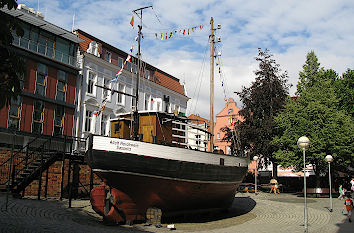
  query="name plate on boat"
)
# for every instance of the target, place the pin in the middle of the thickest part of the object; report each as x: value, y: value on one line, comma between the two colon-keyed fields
x: 122, y: 145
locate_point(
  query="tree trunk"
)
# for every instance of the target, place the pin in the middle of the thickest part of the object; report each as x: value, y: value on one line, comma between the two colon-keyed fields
x: 275, y: 170
x: 318, y: 180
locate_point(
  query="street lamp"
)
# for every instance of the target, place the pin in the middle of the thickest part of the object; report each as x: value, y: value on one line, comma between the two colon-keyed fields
x: 255, y: 158
x: 329, y: 159
x: 303, y: 142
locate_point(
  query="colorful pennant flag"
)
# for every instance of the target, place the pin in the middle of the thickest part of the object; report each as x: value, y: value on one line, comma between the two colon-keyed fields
x: 132, y: 21
x: 101, y: 108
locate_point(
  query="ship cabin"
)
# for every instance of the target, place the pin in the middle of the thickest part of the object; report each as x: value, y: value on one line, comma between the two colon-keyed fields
x: 154, y: 127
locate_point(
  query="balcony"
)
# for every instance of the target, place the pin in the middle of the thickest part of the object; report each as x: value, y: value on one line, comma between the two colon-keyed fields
x: 44, y: 50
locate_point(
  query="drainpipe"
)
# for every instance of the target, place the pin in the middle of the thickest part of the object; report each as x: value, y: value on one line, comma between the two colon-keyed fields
x: 79, y: 103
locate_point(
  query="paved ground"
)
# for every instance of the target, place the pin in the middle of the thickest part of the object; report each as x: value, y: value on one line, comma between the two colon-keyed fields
x: 250, y: 213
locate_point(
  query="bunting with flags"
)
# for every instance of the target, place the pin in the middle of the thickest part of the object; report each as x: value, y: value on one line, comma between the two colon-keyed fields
x: 125, y: 62
x: 173, y: 33
x: 101, y: 108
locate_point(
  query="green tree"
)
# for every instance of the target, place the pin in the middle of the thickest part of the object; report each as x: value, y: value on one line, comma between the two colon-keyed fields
x: 315, y: 114
x: 309, y: 75
x: 261, y: 102
x: 345, y: 92
x: 11, y: 65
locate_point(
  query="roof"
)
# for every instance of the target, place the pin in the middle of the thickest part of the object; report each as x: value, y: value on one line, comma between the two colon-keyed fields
x: 230, y: 104
x: 41, y: 23
x: 197, y: 119
x: 162, y: 78
x: 168, y: 82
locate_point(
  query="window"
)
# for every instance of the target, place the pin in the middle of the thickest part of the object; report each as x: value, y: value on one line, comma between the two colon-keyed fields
x: 93, y: 48
x: 135, y: 69
x: 120, y: 98
x: 198, y: 137
x: 46, y: 44
x: 62, y: 50
x: 22, y: 81
x: 103, y: 125
x: 147, y: 101
x: 91, y: 82
x: 58, y: 120
x: 14, y: 114
x: 218, y: 136
x: 61, y: 85
x: 147, y: 74
x: 120, y: 62
x: 105, y: 92
x: 38, y: 116
x: 41, y: 80
x: 88, y: 121
x: 108, y: 56
x: 133, y: 99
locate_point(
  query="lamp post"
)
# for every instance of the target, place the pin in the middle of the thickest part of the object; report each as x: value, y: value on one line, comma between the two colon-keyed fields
x: 329, y: 159
x: 303, y: 142
x: 255, y: 158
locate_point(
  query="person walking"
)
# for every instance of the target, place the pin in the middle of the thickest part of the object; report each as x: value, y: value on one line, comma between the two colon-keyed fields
x: 348, y: 204
x: 352, y: 183
x: 340, y: 191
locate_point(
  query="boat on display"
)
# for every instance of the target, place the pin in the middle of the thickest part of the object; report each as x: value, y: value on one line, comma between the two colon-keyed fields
x: 147, y: 163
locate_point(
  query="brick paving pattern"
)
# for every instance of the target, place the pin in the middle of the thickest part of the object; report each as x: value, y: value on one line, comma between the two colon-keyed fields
x: 272, y: 213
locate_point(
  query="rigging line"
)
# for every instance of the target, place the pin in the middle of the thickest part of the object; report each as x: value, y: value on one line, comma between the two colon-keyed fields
x: 156, y: 15
x: 182, y: 27
x: 189, y: 107
x: 200, y: 79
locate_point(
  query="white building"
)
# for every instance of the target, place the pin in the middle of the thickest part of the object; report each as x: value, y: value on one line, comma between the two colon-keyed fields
x: 100, y: 63
x: 197, y: 133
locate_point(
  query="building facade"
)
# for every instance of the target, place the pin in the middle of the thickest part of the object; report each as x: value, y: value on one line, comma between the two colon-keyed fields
x: 47, y: 103
x: 100, y: 62
x: 226, y: 118
x: 44, y: 112
x: 197, y: 132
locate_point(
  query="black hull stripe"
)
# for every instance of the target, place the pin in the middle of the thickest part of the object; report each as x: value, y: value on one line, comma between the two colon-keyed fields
x: 167, y: 178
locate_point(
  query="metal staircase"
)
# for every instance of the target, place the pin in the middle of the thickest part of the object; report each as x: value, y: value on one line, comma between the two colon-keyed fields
x: 28, y: 163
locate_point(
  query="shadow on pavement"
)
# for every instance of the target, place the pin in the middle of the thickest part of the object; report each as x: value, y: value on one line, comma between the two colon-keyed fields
x: 240, y: 206
x: 52, y: 216
x: 346, y: 227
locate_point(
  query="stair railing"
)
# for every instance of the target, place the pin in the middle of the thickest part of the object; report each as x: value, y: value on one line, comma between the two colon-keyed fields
x: 7, y: 165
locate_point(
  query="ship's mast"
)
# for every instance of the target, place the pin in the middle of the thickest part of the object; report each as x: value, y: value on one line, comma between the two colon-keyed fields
x: 139, y: 13
x: 212, y: 84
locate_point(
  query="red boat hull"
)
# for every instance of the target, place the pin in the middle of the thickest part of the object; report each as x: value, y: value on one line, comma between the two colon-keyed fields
x: 170, y: 195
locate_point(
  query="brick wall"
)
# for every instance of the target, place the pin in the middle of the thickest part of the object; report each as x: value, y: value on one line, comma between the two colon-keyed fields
x: 55, y: 178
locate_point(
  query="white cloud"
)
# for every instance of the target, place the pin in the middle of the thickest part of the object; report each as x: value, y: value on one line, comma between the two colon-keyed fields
x: 290, y: 29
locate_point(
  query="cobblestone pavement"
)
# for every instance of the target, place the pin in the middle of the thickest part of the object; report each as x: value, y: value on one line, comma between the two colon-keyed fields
x: 285, y: 213
x: 261, y: 213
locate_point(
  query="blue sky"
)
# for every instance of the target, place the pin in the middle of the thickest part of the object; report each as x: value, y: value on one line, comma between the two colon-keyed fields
x: 289, y: 29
